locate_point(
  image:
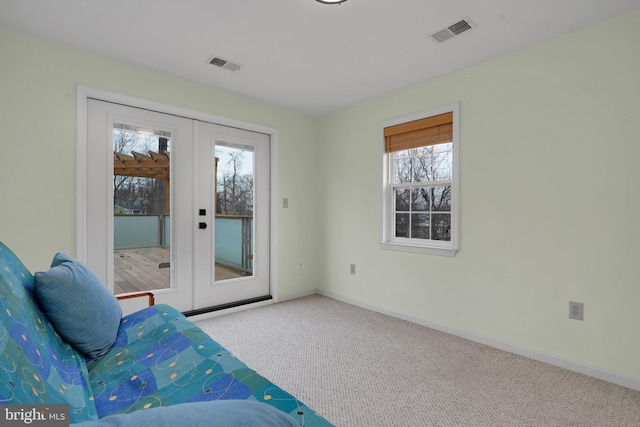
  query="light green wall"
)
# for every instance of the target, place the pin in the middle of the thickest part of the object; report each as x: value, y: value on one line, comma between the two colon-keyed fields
x: 549, y: 209
x: 38, y: 82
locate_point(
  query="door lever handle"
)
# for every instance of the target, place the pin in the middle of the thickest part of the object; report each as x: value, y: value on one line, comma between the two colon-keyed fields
x: 202, y: 225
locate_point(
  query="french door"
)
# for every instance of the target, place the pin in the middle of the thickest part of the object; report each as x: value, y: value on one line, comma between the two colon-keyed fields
x: 166, y: 230
x: 232, y: 241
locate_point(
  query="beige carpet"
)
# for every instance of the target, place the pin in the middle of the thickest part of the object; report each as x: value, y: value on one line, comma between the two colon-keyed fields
x: 361, y: 368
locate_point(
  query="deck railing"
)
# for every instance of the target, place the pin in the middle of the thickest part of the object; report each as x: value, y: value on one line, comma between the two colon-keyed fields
x: 233, y: 245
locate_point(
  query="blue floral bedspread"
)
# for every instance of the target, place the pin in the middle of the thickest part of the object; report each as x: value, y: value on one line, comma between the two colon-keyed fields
x: 160, y: 358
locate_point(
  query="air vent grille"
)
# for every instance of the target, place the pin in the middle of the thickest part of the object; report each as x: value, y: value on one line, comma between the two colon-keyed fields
x: 453, y: 30
x: 218, y: 62
x: 223, y: 63
x: 459, y: 27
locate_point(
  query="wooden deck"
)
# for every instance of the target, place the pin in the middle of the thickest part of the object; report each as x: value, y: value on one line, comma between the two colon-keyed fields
x: 146, y: 269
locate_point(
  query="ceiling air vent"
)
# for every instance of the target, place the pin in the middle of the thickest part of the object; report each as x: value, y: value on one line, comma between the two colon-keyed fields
x: 223, y: 63
x: 453, y: 30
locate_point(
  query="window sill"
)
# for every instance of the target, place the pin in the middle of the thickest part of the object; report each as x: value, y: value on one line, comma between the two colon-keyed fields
x: 429, y: 250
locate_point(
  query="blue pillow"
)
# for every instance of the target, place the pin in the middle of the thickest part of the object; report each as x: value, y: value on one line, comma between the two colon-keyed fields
x: 80, y: 307
x: 218, y: 413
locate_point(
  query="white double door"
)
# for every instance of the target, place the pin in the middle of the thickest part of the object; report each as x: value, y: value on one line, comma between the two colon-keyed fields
x: 211, y: 231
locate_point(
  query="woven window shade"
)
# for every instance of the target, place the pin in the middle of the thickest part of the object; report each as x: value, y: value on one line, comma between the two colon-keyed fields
x: 419, y: 133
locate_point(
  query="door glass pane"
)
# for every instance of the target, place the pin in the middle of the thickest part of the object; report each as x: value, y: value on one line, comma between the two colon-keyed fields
x: 234, y: 201
x: 141, y: 215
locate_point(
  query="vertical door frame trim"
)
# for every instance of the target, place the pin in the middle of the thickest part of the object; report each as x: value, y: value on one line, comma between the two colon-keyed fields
x: 84, y: 93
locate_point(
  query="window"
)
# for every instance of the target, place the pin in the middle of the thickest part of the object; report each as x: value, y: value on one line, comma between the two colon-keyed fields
x: 420, y: 183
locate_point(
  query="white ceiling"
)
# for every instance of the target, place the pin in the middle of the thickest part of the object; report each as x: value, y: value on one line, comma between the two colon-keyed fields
x: 301, y: 54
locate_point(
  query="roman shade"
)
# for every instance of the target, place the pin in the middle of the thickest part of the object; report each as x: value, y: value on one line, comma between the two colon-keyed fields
x: 419, y: 133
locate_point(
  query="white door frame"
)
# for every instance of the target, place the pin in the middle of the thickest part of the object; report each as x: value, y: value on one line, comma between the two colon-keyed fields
x: 84, y: 93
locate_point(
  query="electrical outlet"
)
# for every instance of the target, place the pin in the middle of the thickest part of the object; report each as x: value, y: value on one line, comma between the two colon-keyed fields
x: 352, y: 268
x: 300, y: 265
x: 285, y: 203
x: 576, y: 310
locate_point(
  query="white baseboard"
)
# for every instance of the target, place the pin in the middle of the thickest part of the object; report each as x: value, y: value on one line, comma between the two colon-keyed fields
x: 581, y: 368
x: 283, y: 298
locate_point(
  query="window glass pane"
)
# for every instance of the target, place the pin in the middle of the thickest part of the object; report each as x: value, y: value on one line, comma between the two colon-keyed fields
x: 422, y: 165
x: 402, y: 225
x: 432, y: 163
x: 402, y: 167
x: 420, y: 199
x: 439, y: 148
x: 441, y: 197
x: 420, y: 226
x: 402, y: 199
x: 442, y: 166
x: 441, y: 227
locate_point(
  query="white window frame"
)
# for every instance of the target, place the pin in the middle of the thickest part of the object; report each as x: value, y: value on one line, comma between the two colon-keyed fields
x: 387, y: 218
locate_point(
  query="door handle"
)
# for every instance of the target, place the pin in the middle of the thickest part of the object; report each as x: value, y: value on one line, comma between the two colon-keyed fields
x: 202, y: 225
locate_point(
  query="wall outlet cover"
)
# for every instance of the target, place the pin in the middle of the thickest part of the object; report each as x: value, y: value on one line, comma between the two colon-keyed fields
x: 576, y: 310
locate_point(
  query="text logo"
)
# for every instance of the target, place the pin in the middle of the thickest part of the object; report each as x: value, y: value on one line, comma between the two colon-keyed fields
x: 34, y: 415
